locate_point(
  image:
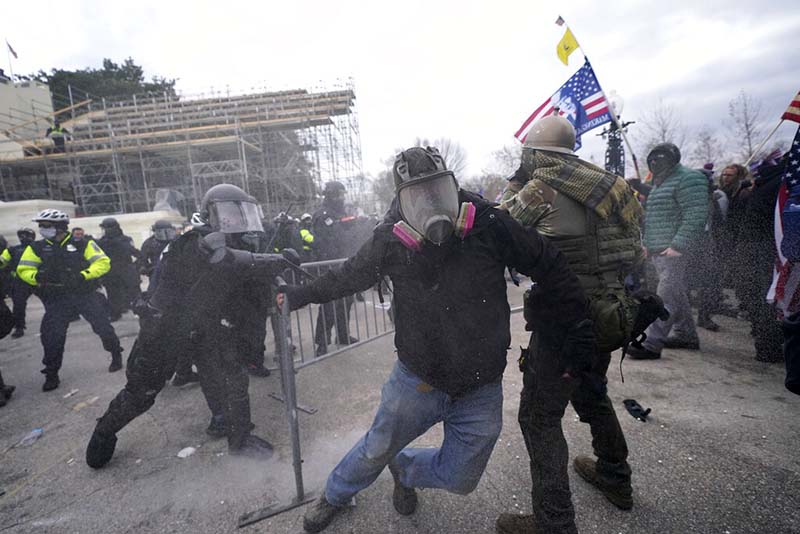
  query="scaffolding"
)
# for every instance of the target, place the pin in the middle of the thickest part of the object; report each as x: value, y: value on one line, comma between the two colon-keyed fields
x: 127, y: 155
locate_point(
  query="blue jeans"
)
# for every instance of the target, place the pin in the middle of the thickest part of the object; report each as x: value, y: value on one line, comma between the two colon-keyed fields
x: 408, y: 408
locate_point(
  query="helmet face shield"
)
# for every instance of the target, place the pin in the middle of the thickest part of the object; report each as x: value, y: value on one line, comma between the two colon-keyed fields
x: 235, y: 217
x: 165, y: 234
x: 430, y: 205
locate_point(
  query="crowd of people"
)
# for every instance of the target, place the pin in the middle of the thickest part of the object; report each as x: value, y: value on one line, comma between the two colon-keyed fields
x: 614, y: 265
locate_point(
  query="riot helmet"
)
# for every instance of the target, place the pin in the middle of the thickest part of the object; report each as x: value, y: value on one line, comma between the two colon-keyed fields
x: 427, y: 193
x: 333, y: 195
x: 26, y: 235
x: 163, y: 230
x: 110, y: 227
x: 662, y: 159
x: 553, y: 133
x: 228, y: 209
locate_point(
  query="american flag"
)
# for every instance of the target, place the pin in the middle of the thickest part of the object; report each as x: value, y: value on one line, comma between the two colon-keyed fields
x: 793, y: 111
x: 785, y: 289
x: 580, y: 100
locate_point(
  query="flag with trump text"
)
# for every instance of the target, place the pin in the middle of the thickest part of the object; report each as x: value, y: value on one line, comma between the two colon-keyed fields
x: 580, y: 100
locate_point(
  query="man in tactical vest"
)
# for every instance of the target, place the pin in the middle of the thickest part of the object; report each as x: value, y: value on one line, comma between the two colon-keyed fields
x: 592, y: 217
x: 64, y: 274
x: 122, y: 281
x: 58, y: 134
x: 20, y: 291
x: 202, y: 302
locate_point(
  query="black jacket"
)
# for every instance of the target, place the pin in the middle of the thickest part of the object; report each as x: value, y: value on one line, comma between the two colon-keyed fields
x: 120, y: 250
x: 450, y: 303
x: 151, y: 251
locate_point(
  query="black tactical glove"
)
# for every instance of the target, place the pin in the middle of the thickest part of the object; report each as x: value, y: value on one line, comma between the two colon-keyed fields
x: 636, y: 410
x: 75, y: 279
x: 578, y: 350
x: 291, y: 255
x: 41, y: 277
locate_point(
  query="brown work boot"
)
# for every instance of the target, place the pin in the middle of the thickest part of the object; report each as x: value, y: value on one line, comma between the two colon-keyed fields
x: 620, y: 496
x: 515, y: 524
x: 320, y: 515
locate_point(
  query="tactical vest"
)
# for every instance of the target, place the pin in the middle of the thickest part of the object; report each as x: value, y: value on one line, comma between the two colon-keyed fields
x: 59, y: 260
x: 606, y: 250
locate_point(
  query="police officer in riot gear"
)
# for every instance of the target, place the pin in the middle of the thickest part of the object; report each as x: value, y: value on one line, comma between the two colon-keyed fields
x: 199, y: 303
x: 19, y: 291
x: 592, y: 216
x: 329, y: 237
x: 122, y: 281
x: 64, y: 274
x: 163, y: 233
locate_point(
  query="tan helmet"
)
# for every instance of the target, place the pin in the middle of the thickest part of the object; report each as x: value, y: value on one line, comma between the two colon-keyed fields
x: 553, y: 133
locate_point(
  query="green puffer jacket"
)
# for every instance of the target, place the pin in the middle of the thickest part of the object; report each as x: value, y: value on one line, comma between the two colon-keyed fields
x: 676, y: 211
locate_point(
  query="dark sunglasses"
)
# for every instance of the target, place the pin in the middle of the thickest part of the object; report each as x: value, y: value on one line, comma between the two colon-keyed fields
x: 45, y: 225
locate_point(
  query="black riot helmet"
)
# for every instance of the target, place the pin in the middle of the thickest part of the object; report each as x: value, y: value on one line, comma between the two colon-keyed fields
x: 26, y: 235
x: 163, y: 230
x: 228, y: 209
x: 427, y: 193
x: 110, y: 227
x: 333, y: 195
x: 662, y: 159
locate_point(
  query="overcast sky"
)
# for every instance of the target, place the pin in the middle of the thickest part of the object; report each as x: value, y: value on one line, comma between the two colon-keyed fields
x: 468, y: 70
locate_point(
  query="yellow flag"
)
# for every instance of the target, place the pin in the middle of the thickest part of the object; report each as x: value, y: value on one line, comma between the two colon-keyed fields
x: 566, y: 46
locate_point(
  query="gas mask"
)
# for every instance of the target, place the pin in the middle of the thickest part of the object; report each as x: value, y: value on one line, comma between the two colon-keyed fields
x: 662, y: 159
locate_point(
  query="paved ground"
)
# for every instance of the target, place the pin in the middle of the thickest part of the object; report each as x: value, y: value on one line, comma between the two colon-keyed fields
x: 719, y: 454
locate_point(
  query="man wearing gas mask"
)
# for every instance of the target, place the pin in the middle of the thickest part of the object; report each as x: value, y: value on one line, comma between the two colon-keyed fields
x: 206, y: 279
x: 446, y: 251
x: 677, y: 212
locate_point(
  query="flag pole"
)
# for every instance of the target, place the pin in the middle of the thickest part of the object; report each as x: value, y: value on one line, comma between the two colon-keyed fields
x: 613, y: 113
x: 10, y: 66
x: 764, y: 142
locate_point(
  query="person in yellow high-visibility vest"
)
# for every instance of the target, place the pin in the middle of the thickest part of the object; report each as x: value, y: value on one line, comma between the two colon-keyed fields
x: 306, y: 237
x: 64, y: 274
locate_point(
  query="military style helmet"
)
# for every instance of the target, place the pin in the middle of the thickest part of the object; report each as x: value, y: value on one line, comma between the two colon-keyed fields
x: 553, y: 133
x: 109, y: 222
x: 663, y: 157
x: 228, y: 209
x: 52, y: 216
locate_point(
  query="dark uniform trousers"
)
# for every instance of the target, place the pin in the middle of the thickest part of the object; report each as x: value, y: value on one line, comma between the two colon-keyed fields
x: 122, y: 289
x: 152, y: 361
x: 20, y: 293
x: 544, y: 399
x: 59, y: 310
x: 336, y: 313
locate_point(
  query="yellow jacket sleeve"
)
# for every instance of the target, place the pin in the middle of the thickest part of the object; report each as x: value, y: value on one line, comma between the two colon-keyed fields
x: 99, y: 263
x: 5, y: 257
x: 28, y: 266
x: 307, y: 236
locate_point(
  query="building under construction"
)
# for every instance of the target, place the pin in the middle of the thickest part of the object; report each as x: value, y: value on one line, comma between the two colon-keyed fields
x: 153, y: 151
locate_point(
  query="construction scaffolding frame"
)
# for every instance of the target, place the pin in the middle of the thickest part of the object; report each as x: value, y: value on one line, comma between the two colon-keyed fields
x: 130, y: 155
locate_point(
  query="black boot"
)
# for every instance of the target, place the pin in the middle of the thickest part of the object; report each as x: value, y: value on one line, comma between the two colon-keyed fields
x: 100, y: 449
x: 5, y: 391
x: 250, y: 446
x: 116, y: 361
x: 51, y: 381
x: 18, y: 332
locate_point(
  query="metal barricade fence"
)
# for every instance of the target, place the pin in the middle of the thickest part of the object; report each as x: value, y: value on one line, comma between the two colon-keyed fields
x: 317, y: 332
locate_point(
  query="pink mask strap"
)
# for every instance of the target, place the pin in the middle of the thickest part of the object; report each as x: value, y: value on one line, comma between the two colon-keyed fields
x: 466, y: 219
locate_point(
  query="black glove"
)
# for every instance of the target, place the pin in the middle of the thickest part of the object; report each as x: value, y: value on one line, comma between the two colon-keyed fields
x: 75, y: 279
x: 636, y: 410
x: 291, y: 255
x: 41, y: 277
x: 578, y: 350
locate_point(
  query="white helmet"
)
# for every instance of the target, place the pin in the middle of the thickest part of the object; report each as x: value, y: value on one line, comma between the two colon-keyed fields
x: 306, y: 217
x: 52, y: 216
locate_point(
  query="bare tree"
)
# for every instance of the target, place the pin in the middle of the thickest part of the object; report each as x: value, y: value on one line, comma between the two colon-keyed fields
x: 489, y: 185
x: 505, y: 160
x: 661, y: 124
x: 745, y: 114
x: 706, y: 148
x: 455, y: 157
